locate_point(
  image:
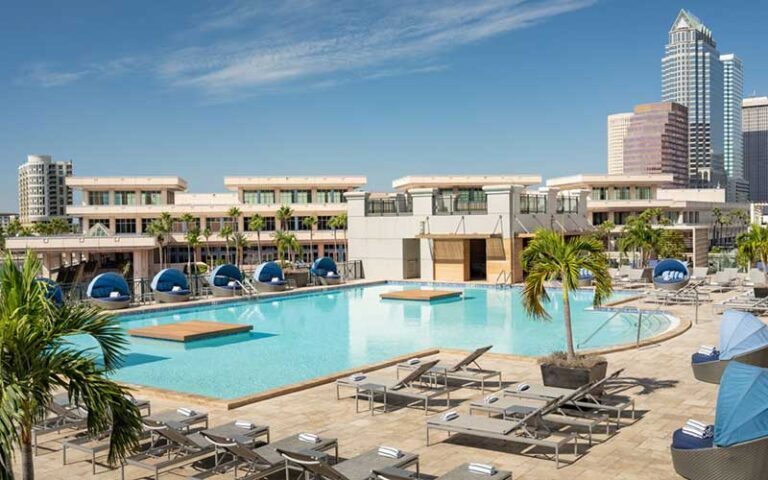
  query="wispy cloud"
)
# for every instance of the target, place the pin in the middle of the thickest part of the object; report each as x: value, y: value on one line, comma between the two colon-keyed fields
x: 44, y: 75
x: 243, y: 47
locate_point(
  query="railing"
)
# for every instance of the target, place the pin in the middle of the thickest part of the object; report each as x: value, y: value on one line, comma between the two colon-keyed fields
x: 503, y: 278
x: 533, y: 203
x: 567, y: 204
x: 351, y: 269
x: 459, y: 205
x: 388, y: 206
x: 624, y: 311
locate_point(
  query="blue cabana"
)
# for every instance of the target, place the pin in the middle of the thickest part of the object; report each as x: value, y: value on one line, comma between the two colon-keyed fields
x: 269, y: 277
x: 585, y: 274
x: 109, y: 291
x: 170, y: 280
x: 324, y: 268
x: 223, y: 275
x: 742, y: 409
x: 671, y: 274
x: 54, y: 292
x: 740, y: 333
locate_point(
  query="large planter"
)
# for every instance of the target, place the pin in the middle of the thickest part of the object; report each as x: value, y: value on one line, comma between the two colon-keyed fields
x: 300, y: 278
x: 565, y: 377
x: 761, y: 291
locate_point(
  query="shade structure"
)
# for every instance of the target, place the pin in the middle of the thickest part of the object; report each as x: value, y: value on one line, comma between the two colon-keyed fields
x: 323, y: 265
x: 166, y: 279
x: 223, y: 274
x: 585, y: 274
x: 742, y: 409
x: 54, y: 292
x: 670, y: 270
x: 267, y: 272
x: 104, y: 284
x: 740, y: 333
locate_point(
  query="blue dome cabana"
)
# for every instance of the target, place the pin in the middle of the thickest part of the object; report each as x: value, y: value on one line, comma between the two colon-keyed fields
x: 269, y: 278
x: 743, y: 338
x: 324, y: 269
x: 54, y: 292
x: 671, y: 274
x: 226, y: 280
x: 170, y: 286
x: 585, y: 277
x: 109, y: 291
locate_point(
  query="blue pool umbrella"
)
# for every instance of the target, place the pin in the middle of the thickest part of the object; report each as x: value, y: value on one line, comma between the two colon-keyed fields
x: 102, y: 285
x: 741, y: 332
x: 742, y: 409
x: 267, y: 271
x: 322, y: 266
x: 166, y: 279
x: 223, y: 274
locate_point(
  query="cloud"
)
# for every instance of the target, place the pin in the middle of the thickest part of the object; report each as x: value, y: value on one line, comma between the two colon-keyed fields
x: 42, y: 75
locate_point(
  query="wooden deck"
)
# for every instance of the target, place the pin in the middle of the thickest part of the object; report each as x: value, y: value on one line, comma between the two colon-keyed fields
x: 189, y: 331
x: 421, y: 295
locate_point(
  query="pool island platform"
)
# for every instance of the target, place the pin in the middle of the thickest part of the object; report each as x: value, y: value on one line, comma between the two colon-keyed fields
x: 190, y: 331
x: 421, y: 295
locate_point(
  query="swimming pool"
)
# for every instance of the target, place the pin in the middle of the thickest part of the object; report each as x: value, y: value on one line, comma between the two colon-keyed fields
x: 296, y: 338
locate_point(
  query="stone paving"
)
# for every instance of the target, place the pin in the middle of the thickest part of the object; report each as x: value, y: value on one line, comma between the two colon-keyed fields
x: 658, y: 377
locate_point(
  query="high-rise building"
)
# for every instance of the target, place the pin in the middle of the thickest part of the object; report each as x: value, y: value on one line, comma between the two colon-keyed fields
x: 733, y: 153
x: 755, y: 134
x: 43, y: 193
x: 657, y: 142
x: 618, y: 124
x: 692, y: 75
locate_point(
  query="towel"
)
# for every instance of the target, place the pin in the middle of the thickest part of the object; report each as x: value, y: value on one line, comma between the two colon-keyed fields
x: 698, y: 429
x: 114, y: 294
x: 490, y: 399
x: 275, y: 280
x: 413, y: 361
x: 448, y: 416
x: 707, y: 349
x: 330, y: 274
x: 390, y: 452
x: 244, y: 424
x: 231, y: 283
x: 187, y: 412
x: 309, y: 437
x: 482, y: 468
x: 357, y: 377
x: 176, y: 288
x: 521, y: 387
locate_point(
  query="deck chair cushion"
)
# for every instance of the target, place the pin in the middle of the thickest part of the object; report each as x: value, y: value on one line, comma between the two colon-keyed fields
x: 701, y: 358
x: 684, y: 441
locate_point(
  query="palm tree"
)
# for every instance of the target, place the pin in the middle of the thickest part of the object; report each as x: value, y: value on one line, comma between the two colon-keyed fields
x: 187, y: 220
x: 161, y: 229
x: 294, y: 246
x: 752, y: 245
x: 341, y: 224
x: 640, y: 234
x: 207, y: 235
x: 281, y: 242
x: 2, y: 239
x: 257, y: 224
x: 283, y: 215
x: 717, y: 230
x: 226, y: 233
x: 550, y: 257
x: 58, y: 226
x: 239, y: 241
x: 192, y: 238
x: 37, y: 358
x: 334, y: 224
x: 235, y: 213
x: 309, y: 223
x: 14, y: 228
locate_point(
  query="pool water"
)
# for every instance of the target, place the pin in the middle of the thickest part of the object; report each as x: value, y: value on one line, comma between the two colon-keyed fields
x: 297, y: 338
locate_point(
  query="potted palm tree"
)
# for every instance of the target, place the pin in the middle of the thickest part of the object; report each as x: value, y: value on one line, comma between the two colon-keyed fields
x: 550, y: 257
x: 752, y: 248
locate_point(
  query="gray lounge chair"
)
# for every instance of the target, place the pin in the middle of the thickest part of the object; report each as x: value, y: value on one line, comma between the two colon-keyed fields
x: 463, y: 369
x: 524, y: 431
x: 462, y: 472
x: 700, y: 273
x: 356, y: 468
x: 411, y: 387
x: 64, y: 418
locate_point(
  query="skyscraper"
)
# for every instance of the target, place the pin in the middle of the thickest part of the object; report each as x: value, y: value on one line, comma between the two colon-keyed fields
x: 43, y: 193
x: 657, y: 142
x: 618, y: 124
x: 755, y: 131
x: 733, y: 153
x: 692, y: 75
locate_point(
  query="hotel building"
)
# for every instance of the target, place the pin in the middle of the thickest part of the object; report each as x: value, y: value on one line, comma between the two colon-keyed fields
x: 618, y: 124
x: 755, y: 134
x: 6, y: 219
x: 657, y: 142
x: 43, y: 192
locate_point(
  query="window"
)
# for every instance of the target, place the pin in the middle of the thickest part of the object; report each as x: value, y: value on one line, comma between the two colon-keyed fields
x: 621, y: 193
x: 330, y: 196
x: 644, y: 193
x: 217, y: 223
x: 180, y: 226
x: 295, y: 196
x: 259, y: 197
x: 599, y: 193
x: 620, y: 218
x: 145, y: 223
x: 125, y: 198
x: 269, y: 225
x: 599, y: 218
x: 125, y: 225
x: 567, y: 204
x: 533, y: 203
x: 98, y: 198
x: 150, y: 197
x: 94, y: 221
x: 296, y: 223
x: 323, y: 221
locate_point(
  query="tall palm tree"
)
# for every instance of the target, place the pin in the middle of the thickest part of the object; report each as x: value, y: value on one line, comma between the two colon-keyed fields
x: 226, y: 233
x: 257, y: 224
x: 239, y: 241
x: 187, y: 219
x: 58, y: 226
x: 192, y: 237
x: 235, y: 213
x: 639, y: 234
x: 752, y: 245
x: 161, y: 229
x: 334, y: 224
x: 717, y: 230
x: 550, y: 257
x: 37, y: 358
x: 294, y: 246
x: 14, y: 228
x: 283, y: 215
x: 207, y: 235
x: 281, y: 242
x: 309, y: 223
x: 341, y: 224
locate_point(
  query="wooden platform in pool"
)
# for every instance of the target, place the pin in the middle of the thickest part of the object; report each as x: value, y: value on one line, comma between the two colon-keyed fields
x: 189, y: 331
x: 421, y: 295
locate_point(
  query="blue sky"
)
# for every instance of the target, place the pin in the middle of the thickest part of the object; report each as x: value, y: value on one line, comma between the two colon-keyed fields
x: 381, y: 88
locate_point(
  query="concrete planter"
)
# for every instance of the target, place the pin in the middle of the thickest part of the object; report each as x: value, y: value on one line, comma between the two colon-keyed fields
x: 565, y: 377
x: 300, y: 278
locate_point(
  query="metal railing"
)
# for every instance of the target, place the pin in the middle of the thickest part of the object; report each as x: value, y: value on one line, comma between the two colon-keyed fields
x: 388, y: 206
x: 459, y: 205
x: 533, y: 203
x: 567, y: 204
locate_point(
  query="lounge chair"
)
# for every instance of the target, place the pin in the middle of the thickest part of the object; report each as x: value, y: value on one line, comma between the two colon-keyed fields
x: 461, y: 370
x: 590, y: 396
x: 524, y: 431
x: 671, y: 274
x: 755, y: 278
x: 738, y: 448
x: 259, y: 461
x: 722, y: 281
x: 743, y: 338
x: 64, y: 417
x: 170, y: 286
x: 465, y: 471
x: 411, y: 387
x: 268, y: 277
x: 325, y: 271
x: 636, y: 278
x: 700, y: 273
x: 359, y: 467
x: 109, y: 291
x: 226, y: 281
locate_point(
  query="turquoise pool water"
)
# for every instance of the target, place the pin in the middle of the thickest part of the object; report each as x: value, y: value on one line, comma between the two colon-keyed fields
x: 299, y: 338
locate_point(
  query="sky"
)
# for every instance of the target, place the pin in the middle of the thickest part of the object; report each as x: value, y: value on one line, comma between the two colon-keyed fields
x: 383, y: 88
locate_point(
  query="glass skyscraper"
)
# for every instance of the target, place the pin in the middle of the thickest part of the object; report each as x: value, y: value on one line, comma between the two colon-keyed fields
x: 692, y: 75
x: 733, y: 93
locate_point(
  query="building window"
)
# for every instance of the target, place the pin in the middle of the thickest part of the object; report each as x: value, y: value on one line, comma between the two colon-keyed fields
x: 259, y: 197
x: 330, y: 196
x: 567, y: 204
x: 103, y: 221
x: 125, y: 198
x: 151, y: 197
x: 269, y: 225
x: 295, y: 196
x: 180, y: 226
x: 98, y: 198
x: 620, y: 218
x: 533, y: 203
x: 644, y: 193
x: 599, y: 218
x: 145, y: 223
x: 217, y: 223
x: 599, y: 193
x: 621, y: 193
x: 125, y: 225
x: 323, y: 221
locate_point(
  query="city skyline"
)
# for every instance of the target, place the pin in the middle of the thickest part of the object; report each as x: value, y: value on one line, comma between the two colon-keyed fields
x: 421, y: 113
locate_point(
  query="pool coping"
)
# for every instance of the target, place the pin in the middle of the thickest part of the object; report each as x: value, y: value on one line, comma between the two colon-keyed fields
x: 683, y: 325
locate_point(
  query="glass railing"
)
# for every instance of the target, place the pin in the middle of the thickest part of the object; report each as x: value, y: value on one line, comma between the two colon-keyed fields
x: 388, y: 207
x: 460, y: 205
x: 533, y: 203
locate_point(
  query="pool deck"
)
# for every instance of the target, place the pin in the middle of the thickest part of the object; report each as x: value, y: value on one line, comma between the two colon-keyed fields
x: 189, y: 331
x: 658, y: 376
x: 421, y: 295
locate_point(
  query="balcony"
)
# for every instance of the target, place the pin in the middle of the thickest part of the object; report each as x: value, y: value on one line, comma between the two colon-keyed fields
x: 384, y: 207
x: 460, y: 205
x: 567, y: 204
x: 533, y: 203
